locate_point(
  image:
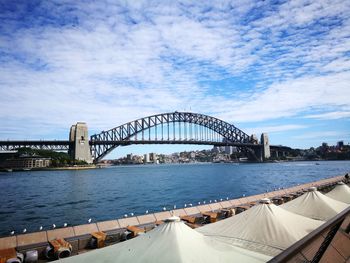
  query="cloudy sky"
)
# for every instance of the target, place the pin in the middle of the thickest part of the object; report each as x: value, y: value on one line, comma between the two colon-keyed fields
x: 281, y: 67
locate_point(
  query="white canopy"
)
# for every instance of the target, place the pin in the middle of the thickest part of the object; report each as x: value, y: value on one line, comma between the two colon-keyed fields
x: 170, y: 242
x: 316, y: 205
x: 340, y: 193
x: 264, y: 228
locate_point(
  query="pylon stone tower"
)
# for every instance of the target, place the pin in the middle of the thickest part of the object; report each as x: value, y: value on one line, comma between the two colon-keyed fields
x: 265, y: 146
x: 80, y: 142
x: 254, y: 139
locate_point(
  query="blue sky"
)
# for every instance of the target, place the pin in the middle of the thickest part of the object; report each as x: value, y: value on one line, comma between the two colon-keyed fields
x: 281, y: 67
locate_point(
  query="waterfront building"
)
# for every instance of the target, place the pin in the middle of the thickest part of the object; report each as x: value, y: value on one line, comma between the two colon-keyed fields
x: 27, y: 163
x: 340, y: 145
x: 129, y: 157
x: 216, y: 149
x: 136, y: 159
x: 228, y: 150
x: 5, y: 156
x: 153, y: 157
x: 146, y: 158
x: 219, y: 149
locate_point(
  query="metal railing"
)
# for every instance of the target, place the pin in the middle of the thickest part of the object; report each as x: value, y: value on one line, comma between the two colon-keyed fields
x: 294, y: 251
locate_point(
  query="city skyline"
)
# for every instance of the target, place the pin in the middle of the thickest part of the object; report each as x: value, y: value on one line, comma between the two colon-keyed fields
x: 222, y: 149
x: 280, y: 67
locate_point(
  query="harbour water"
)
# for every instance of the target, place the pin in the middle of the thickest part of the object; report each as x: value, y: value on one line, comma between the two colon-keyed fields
x: 42, y: 198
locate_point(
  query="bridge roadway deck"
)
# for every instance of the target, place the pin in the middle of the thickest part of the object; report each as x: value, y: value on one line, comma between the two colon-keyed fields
x: 56, y: 145
x: 130, y: 142
x: 64, y: 145
x: 80, y: 235
x: 35, y: 142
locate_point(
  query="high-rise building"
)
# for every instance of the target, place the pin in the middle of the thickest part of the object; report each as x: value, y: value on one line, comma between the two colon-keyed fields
x: 146, y: 158
x: 153, y: 157
x: 228, y: 150
x: 340, y: 144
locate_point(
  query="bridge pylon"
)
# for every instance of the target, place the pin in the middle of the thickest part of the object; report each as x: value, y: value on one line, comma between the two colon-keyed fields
x: 266, y: 153
x: 262, y: 153
x: 80, y: 147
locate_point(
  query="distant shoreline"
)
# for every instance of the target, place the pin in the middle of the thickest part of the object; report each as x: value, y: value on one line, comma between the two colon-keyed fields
x: 100, y: 166
x: 231, y: 162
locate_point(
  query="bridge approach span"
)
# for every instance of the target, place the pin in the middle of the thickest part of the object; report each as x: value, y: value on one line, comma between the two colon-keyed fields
x: 54, y: 145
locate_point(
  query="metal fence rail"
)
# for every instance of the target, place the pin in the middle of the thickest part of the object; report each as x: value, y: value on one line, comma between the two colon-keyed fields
x: 310, y: 249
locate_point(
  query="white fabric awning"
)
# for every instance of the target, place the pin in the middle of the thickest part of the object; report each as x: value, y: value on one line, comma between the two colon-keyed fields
x: 340, y: 193
x: 265, y: 228
x: 171, y: 242
x: 316, y: 205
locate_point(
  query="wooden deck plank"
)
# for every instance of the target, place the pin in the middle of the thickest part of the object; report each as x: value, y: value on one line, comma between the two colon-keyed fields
x: 191, y: 210
x: 85, y: 229
x: 163, y: 215
x: 129, y: 221
x: 31, y: 238
x: 8, y: 242
x: 60, y: 233
x: 108, y: 225
x: 146, y: 219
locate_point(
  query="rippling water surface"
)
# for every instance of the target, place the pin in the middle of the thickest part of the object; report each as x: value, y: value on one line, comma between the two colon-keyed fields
x: 31, y: 199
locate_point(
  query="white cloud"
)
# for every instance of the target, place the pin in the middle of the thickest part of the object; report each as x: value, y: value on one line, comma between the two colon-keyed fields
x: 274, y: 129
x: 289, y: 98
x: 330, y: 115
x: 121, y: 61
x: 323, y: 135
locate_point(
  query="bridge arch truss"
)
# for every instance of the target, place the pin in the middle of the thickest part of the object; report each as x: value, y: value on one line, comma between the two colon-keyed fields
x: 134, y: 132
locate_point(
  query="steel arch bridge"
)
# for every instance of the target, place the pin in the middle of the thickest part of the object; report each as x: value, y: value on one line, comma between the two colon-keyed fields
x: 166, y: 128
x: 172, y: 128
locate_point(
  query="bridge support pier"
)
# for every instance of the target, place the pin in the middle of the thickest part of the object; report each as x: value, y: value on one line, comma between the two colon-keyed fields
x: 259, y: 154
x: 80, y: 147
x: 266, y: 153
